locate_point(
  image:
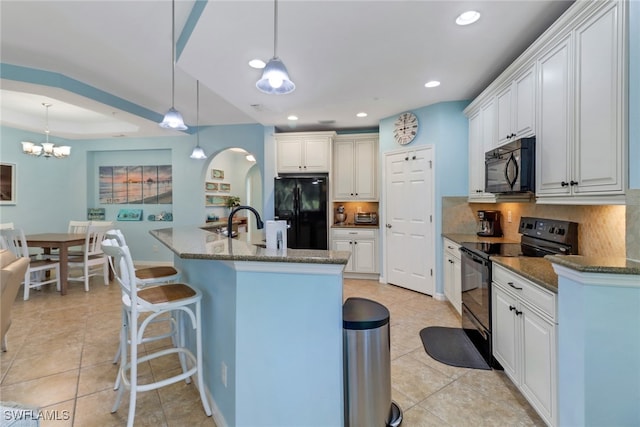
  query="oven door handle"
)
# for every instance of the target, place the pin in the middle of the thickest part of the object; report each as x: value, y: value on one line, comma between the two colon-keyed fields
x: 475, y: 258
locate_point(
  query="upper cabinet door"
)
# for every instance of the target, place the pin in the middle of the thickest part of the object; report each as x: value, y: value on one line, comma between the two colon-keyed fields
x: 524, y: 103
x: 304, y: 152
x: 554, y: 139
x: 599, y: 102
x: 505, y: 134
x: 355, y: 167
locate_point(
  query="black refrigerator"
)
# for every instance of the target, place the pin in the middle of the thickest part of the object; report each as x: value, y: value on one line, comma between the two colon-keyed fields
x: 302, y: 202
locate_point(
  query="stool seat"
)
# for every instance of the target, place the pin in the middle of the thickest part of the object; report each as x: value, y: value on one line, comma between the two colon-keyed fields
x: 166, y: 293
x: 155, y: 273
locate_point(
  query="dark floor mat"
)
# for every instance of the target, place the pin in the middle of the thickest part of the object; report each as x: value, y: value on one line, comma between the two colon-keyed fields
x: 451, y: 346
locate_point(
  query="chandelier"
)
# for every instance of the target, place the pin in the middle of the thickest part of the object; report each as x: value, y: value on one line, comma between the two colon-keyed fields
x: 46, y: 149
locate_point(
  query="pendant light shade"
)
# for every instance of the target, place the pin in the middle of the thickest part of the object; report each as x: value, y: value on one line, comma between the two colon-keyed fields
x: 198, y: 153
x: 275, y: 78
x: 173, y: 118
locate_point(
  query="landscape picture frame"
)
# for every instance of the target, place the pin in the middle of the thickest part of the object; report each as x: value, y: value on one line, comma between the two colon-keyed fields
x: 225, y: 187
x: 217, y: 174
x: 7, y: 183
x: 215, y: 200
x: 210, y: 186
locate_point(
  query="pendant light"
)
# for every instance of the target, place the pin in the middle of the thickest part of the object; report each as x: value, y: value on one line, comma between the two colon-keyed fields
x: 275, y: 78
x: 173, y: 118
x: 46, y: 149
x: 198, y: 152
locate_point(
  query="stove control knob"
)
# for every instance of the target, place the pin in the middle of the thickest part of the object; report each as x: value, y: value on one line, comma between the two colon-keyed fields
x: 560, y: 231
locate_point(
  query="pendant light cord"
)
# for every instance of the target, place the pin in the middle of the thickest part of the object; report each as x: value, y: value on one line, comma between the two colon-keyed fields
x: 173, y: 52
x: 198, y: 113
x: 275, y: 28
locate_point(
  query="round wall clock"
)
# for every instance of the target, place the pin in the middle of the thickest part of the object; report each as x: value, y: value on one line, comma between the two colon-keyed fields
x: 405, y: 128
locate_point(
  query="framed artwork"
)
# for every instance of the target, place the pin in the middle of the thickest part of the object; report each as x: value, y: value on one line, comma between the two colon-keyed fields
x: 95, y: 214
x: 215, y: 200
x: 136, y: 184
x: 217, y: 174
x: 130, y: 215
x: 211, y: 186
x: 226, y: 188
x: 7, y: 184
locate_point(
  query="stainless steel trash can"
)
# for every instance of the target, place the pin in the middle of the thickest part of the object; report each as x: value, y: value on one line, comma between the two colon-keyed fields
x: 367, y: 365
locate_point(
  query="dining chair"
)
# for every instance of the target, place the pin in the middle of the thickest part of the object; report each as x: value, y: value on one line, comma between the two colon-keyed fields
x: 142, y: 306
x: 35, y: 276
x: 93, y: 261
x: 5, y: 226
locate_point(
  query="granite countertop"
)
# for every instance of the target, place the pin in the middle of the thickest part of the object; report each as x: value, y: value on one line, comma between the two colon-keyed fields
x: 354, y: 225
x: 538, y: 270
x: 197, y: 243
x: 587, y: 264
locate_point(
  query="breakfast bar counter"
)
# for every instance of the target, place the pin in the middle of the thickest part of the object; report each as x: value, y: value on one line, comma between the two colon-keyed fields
x: 271, y: 327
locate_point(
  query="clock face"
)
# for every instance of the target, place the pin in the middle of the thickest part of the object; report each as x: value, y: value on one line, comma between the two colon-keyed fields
x: 405, y: 128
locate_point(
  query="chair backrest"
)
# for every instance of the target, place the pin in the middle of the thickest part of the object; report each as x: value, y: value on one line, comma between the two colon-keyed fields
x: 15, y: 241
x: 78, y: 227
x: 125, y: 273
x: 93, y: 240
x: 117, y: 235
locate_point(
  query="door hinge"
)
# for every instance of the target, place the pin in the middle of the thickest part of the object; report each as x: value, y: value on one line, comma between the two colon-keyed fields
x: 431, y: 218
x: 431, y: 270
x: 430, y: 164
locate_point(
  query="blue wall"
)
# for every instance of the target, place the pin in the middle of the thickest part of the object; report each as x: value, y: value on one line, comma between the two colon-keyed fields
x: 50, y: 192
x: 445, y: 127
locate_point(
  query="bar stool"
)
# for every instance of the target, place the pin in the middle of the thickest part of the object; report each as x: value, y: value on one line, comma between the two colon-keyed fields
x: 154, y: 301
x: 146, y: 277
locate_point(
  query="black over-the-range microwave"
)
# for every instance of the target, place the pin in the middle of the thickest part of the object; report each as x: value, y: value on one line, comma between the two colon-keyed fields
x: 511, y: 168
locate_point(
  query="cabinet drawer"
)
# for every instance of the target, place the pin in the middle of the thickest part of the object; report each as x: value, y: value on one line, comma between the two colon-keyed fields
x: 353, y: 232
x: 530, y: 293
x: 451, y: 248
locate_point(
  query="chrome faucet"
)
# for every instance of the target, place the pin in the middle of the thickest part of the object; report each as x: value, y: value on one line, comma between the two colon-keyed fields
x: 259, y: 223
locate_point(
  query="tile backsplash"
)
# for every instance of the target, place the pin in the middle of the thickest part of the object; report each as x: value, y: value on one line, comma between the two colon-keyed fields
x: 602, y: 230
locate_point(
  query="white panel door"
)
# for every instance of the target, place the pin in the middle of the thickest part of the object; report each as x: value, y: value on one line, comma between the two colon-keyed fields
x: 409, y: 212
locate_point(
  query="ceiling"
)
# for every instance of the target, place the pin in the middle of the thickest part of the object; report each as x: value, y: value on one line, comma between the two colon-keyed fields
x: 105, y: 66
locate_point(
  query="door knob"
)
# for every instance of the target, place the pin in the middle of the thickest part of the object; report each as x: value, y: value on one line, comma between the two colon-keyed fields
x: 388, y: 225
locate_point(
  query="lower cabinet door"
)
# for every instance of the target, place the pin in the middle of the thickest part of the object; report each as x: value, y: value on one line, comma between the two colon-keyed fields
x: 539, y: 358
x: 345, y: 245
x: 365, y: 255
x: 505, y: 332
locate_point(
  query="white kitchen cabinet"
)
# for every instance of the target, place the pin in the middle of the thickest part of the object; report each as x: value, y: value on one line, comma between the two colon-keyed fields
x: 452, y: 274
x: 524, y: 338
x: 481, y: 136
x: 304, y: 152
x: 363, y: 245
x: 355, y: 167
x: 516, y: 108
x: 582, y: 130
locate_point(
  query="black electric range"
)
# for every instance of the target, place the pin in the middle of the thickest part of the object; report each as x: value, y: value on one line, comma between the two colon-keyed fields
x: 540, y: 237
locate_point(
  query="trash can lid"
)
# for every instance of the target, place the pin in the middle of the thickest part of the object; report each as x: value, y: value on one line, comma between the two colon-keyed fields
x: 362, y: 313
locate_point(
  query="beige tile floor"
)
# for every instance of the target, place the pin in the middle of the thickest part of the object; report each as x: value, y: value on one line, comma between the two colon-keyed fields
x: 61, y: 349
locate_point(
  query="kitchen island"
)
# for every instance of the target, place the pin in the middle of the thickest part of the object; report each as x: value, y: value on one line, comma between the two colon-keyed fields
x: 271, y: 327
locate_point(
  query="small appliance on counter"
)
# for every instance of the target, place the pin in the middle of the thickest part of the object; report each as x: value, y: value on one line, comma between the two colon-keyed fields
x: 341, y: 217
x: 489, y: 224
x: 370, y: 218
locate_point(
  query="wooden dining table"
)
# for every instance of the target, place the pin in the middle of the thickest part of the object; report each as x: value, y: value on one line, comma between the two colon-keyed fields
x: 61, y: 241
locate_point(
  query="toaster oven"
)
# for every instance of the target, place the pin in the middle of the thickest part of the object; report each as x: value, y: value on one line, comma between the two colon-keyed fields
x: 365, y: 218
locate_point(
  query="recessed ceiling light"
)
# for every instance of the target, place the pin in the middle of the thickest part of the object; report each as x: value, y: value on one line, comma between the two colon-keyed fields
x: 292, y: 117
x: 468, y: 17
x: 361, y: 114
x: 257, y: 63
x: 432, y: 83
